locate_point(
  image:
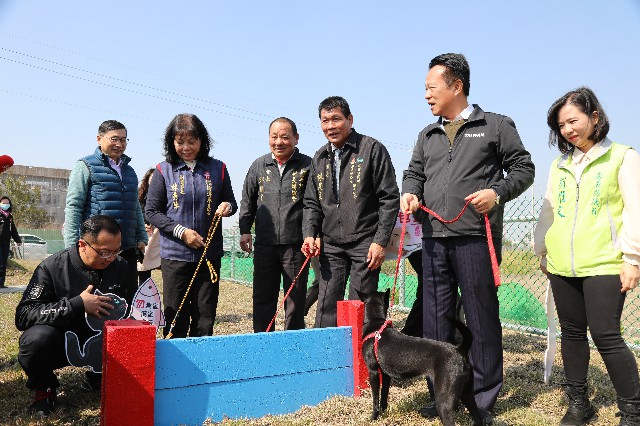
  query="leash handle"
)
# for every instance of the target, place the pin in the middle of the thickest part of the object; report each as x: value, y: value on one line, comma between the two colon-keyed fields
x: 289, y: 291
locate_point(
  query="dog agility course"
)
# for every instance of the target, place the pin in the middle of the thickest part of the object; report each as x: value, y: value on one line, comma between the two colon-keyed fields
x: 187, y: 381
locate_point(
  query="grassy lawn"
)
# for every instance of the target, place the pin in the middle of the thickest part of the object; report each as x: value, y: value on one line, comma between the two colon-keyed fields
x: 525, y: 400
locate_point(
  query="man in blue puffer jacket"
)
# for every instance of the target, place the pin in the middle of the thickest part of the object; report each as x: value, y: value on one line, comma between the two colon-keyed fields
x: 104, y: 183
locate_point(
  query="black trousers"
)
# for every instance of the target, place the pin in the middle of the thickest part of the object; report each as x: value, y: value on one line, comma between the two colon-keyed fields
x: 313, y: 290
x: 269, y: 264
x: 596, y: 303
x: 337, y: 264
x: 132, y: 274
x: 413, y: 323
x: 41, y: 352
x: 464, y: 262
x: 4, y: 259
x: 143, y: 276
x: 199, y: 310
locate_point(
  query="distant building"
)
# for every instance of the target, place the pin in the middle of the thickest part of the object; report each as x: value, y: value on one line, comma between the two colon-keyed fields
x: 53, y: 185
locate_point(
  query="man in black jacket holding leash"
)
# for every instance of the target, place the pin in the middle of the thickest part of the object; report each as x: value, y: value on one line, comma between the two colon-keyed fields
x: 474, y: 156
x: 350, y: 209
x: 272, y: 199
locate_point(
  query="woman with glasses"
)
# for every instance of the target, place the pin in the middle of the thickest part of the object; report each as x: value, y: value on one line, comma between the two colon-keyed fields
x: 186, y: 195
x: 589, y: 239
x: 8, y: 230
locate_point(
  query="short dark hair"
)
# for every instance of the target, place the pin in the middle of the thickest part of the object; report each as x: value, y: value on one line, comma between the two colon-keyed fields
x: 182, y: 125
x: 586, y: 101
x: 457, y: 68
x: 110, y: 125
x: 334, y: 102
x: 144, y: 186
x: 98, y: 223
x: 285, y: 120
x: 10, y: 203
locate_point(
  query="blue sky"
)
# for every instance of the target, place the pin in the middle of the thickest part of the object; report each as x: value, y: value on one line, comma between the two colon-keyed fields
x: 66, y: 66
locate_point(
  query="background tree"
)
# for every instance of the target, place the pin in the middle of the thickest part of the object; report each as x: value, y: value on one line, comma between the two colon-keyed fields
x: 26, y: 199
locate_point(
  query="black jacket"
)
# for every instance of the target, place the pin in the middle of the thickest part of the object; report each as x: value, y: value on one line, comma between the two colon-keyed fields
x: 369, y: 197
x: 8, y: 229
x: 442, y: 174
x: 275, y: 201
x: 53, y: 294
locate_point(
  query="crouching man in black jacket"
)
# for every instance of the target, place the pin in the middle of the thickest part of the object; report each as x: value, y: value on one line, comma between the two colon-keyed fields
x: 350, y: 209
x: 59, y: 294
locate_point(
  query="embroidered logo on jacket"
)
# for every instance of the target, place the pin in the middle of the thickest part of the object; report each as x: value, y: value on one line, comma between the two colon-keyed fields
x: 298, y: 180
x: 562, y: 185
x: 35, y: 290
x: 474, y: 135
x: 355, y: 170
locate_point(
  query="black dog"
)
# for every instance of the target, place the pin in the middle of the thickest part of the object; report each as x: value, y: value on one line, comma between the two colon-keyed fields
x: 402, y: 357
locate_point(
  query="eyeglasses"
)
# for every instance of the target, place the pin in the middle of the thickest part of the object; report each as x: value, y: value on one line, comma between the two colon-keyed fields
x: 105, y: 254
x: 115, y: 139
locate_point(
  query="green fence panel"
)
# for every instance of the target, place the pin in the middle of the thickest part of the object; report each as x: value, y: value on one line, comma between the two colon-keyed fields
x: 522, y: 294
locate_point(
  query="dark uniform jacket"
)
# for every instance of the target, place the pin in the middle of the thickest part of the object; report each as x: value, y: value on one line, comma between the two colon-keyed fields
x: 369, y: 197
x: 442, y: 174
x: 274, y: 201
x: 8, y: 229
x: 53, y: 294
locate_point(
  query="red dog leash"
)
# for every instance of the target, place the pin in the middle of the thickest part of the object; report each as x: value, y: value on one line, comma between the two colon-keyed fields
x: 377, y: 335
x: 492, y: 250
x: 289, y: 291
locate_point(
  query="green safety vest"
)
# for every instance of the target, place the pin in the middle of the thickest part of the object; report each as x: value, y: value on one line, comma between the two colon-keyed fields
x: 584, y: 239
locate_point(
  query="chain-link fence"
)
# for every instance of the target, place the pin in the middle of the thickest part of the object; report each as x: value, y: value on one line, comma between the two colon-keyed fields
x: 522, y: 294
x: 37, y: 243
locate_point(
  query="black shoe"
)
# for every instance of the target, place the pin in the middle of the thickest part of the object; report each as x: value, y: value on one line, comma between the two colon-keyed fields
x: 429, y: 411
x: 92, y: 381
x: 629, y: 411
x: 44, y: 402
x: 580, y: 411
x: 487, y: 417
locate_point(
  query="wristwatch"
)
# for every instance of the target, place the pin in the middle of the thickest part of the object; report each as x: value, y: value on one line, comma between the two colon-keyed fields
x: 497, y: 197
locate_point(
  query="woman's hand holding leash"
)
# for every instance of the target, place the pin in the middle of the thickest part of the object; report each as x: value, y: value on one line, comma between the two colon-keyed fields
x: 224, y: 209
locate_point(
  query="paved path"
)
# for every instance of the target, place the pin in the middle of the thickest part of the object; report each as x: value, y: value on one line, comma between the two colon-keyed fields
x: 13, y: 289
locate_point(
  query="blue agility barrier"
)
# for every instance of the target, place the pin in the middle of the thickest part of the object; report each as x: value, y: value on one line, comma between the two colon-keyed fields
x: 250, y: 375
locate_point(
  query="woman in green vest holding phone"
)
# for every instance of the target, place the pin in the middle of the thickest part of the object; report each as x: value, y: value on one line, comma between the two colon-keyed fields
x: 589, y: 242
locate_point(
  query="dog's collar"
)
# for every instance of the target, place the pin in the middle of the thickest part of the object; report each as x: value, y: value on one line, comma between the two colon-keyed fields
x: 377, y: 334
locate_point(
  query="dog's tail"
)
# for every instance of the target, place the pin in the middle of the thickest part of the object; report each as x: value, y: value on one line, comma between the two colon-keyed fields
x: 467, y: 337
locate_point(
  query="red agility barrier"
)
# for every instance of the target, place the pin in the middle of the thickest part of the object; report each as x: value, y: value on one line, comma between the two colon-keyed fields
x: 351, y: 313
x: 128, y: 373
